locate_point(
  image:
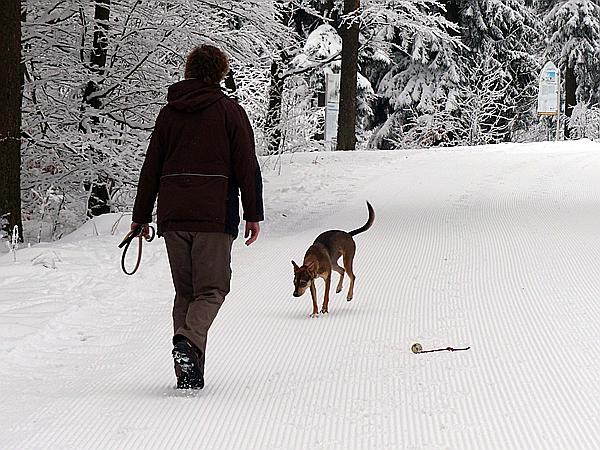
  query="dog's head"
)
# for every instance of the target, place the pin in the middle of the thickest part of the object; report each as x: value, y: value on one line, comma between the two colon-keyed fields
x: 303, y: 277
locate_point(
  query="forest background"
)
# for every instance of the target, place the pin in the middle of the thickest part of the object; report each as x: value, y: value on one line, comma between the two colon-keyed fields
x: 85, y: 79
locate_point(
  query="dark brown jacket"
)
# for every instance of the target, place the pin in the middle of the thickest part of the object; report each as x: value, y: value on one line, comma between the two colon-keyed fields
x: 201, y: 155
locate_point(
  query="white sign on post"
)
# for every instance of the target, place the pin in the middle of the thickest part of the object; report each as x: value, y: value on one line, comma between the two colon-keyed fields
x: 549, y: 93
x: 332, y: 104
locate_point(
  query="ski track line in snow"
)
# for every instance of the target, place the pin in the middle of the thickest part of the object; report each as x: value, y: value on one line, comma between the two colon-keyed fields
x: 494, y: 249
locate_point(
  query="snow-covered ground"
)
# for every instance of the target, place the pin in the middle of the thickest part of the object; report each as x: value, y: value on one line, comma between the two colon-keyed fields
x: 496, y: 248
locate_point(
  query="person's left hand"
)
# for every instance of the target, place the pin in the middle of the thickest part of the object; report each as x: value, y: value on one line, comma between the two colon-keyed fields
x: 252, y: 230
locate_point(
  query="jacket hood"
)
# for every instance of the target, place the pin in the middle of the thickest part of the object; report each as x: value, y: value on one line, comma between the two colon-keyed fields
x: 193, y: 95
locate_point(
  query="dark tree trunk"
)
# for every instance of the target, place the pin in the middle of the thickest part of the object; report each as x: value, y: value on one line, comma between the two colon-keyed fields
x: 99, y: 51
x: 10, y: 115
x: 570, y: 98
x: 99, y: 201
x: 101, y: 16
x: 346, y: 134
x: 273, y: 120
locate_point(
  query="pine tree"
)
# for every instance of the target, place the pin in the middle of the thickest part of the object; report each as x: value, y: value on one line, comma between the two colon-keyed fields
x: 505, y: 33
x: 418, y: 65
x: 429, y: 71
x: 573, y: 29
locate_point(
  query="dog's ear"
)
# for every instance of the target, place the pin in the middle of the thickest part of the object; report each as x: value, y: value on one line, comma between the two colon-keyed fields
x: 311, y: 266
x: 296, y: 268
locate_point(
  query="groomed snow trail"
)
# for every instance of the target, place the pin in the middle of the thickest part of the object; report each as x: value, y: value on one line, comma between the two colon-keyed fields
x: 495, y: 248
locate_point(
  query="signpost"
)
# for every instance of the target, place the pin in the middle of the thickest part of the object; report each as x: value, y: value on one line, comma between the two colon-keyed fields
x: 332, y: 104
x: 549, y: 94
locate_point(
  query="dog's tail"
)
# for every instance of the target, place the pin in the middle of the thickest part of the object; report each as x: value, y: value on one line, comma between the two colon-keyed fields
x: 367, y: 225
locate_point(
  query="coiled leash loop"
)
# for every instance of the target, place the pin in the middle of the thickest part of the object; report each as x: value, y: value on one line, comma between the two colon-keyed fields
x: 126, y: 242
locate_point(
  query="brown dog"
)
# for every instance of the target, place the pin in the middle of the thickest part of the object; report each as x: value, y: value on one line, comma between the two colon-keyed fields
x: 321, y: 258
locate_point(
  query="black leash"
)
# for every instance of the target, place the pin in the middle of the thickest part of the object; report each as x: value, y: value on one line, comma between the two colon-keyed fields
x: 126, y: 242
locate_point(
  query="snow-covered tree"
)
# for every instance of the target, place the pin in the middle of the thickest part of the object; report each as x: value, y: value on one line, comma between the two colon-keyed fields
x: 381, y: 21
x: 476, y: 114
x: 508, y: 32
x: 484, y: 114
x: 573, y: 29
x: 585, y: 122
x: 285, y: 48
x: 418, y: 63
x: 322, y: 53
x: 75, y: 136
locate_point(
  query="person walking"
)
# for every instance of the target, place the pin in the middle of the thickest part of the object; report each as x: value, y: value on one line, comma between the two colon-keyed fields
x: 200, y: 159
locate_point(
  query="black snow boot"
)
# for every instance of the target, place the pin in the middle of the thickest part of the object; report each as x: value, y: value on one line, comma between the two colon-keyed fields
x: 189, y: 365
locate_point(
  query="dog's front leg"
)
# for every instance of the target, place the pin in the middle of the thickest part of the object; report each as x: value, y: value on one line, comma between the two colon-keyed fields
x: 325, y: 308
x: 313, y: 294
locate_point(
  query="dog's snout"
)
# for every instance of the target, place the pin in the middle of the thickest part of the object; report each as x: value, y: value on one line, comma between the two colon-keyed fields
x: 296, y: 294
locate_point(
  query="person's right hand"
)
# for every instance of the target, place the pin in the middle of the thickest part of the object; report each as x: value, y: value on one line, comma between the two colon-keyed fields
x: 145, y: 229
x: 252, y: 230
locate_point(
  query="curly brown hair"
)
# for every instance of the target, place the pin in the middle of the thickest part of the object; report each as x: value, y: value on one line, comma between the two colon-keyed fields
x: 207, y: 63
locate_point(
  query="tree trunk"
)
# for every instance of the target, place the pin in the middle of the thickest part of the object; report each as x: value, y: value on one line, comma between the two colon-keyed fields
x: 101, y: 16
x: 99, y: 200
x: 273, y: 124
x: 570, y: 98
x: 273, y: 120
x: 346, y: 135
x: 10, y: 116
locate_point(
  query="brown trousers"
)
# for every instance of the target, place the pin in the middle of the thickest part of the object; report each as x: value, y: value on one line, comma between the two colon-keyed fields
x: 201, y: 270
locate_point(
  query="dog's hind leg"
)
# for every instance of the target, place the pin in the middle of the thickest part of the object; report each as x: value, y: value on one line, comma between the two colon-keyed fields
x: 338, y: 269
x: 348, y: 258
